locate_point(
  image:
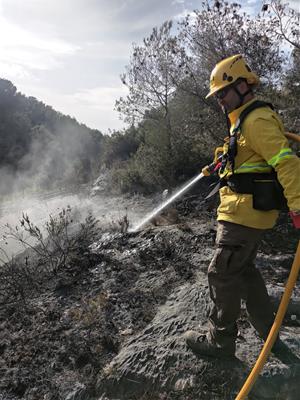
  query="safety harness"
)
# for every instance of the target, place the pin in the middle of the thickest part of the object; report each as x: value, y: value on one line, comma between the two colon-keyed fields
x: 229, y: 157
x: 266, y: 190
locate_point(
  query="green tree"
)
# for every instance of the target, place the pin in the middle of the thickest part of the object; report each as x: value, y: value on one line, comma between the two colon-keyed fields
x: 120, y: 146
x: 150, y: 80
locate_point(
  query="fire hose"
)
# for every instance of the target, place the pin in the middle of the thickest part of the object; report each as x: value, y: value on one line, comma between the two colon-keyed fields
x: 292, y: 136
x: 279, y: 316
x: 274, y: 330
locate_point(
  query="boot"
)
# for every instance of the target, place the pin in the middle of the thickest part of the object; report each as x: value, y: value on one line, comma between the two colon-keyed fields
x: 200, y: 344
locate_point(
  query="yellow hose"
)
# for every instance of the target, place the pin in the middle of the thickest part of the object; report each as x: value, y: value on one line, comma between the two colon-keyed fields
x: 274, y: 330
x: 292, y: 136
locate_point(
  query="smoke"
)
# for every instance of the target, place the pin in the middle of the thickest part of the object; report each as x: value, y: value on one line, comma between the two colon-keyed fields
x: 49, y: 166
x: 38, y: 209
x: 58, y: 159
x: 106, y: 209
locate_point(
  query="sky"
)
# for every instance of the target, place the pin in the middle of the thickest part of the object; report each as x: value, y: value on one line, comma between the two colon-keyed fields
x: 70, y: 53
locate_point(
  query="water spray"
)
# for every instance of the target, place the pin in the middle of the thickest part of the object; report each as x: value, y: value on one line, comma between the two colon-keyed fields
x: 160, y: 208
x: 206, y: 171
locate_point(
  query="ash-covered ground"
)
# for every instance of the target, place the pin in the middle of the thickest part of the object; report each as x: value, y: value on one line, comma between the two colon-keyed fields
x: 109, y: 324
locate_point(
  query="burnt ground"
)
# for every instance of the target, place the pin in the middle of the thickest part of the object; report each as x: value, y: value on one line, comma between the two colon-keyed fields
x: 109, y: 325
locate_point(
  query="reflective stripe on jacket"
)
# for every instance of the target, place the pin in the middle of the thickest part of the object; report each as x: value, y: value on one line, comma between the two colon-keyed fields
x: 261, y: 147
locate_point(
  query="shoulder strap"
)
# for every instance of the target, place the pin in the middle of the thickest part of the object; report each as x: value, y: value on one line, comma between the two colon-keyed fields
x: 253, y: 106
x: 232, y: 148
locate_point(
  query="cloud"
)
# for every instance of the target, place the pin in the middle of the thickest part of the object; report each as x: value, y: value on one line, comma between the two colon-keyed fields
x: 294, y: 4
x: 23, y: 52
x: 99, y: 102
x: 70, y: 54
x: 109, y: 49
x: 95, y: 105
x: 101, y: 98
x: 12, y: 36
x: 181, y: 2
x: 28, y: 59
x: 184, y: 14
x: 12, y: 71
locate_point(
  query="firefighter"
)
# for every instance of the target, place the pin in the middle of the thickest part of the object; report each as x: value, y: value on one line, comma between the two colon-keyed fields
x: 259, y: 176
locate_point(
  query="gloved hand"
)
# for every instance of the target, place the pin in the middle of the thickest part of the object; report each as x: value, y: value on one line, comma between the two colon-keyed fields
x: 295, y: 215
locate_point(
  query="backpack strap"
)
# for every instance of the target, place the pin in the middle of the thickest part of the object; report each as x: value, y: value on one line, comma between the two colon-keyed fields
x: 232, y: 147
x: 253, y: 106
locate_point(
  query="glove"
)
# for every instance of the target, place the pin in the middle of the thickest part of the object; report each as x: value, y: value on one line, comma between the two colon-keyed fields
x: 295, y: 215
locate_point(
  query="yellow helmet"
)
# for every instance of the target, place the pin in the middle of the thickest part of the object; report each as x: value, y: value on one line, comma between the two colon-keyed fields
x: 228, y: 71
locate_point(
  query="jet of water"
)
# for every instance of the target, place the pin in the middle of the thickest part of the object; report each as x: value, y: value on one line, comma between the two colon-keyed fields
x: 165, y: 204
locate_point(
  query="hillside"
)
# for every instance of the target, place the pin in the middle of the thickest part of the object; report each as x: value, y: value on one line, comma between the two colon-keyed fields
x: 41, y: 148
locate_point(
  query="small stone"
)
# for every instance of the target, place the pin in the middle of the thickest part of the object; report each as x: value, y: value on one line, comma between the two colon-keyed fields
x: 126, y: 332
x: 184, y: 383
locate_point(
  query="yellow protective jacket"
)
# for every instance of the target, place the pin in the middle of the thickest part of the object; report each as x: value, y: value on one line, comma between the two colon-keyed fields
x: 261, y: 146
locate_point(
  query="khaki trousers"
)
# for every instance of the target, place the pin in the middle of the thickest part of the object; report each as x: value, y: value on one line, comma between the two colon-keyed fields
x: 232, y: 276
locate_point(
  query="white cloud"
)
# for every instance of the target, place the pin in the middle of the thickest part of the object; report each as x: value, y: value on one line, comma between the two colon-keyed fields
x: 23, y: 52
x: 181, y: 2
x: 98, y: 103
x: 100, y: 98
x: 13, y: 35
x: 117, y: 49
x: 184, y: 14
x: 28, y: 59
x: 95, y: 105
x: 294, y: 4
x: 70, y: 53
x: 12, y: 71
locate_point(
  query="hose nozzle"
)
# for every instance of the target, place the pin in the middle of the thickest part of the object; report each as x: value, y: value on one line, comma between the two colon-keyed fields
x: 215, y: 165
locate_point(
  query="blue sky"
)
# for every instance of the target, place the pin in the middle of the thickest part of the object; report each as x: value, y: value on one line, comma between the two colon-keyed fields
x: 70, y: 53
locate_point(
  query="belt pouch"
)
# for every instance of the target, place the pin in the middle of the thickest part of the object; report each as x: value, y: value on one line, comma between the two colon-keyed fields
x: 268, y: 195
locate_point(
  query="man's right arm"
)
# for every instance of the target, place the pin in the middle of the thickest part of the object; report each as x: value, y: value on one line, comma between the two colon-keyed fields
x: 266, y: 138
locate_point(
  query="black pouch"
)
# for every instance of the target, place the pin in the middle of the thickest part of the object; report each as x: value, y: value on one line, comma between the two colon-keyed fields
x: 268, y: 195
